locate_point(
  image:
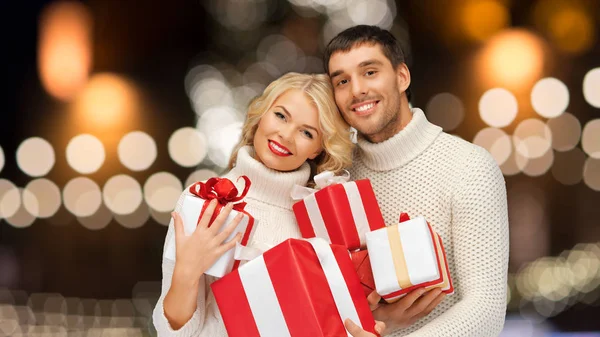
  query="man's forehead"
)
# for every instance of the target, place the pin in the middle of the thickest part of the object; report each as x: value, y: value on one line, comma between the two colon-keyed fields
x: 355, y: 56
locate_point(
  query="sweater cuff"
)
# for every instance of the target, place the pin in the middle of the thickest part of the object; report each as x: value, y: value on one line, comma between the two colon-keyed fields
x: 163, y: 327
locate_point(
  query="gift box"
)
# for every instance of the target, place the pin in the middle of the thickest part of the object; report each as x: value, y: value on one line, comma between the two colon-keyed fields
x: 195, y: 202
x: 341, y: 213
x: 362, y: 266
x: 297, y: 288
x: 405, y: 257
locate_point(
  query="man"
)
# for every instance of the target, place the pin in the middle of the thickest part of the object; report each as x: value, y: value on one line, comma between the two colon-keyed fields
x: 416, y: 168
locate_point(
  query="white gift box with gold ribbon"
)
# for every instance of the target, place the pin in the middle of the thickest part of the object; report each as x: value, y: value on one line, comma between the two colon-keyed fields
x: 405, y: 257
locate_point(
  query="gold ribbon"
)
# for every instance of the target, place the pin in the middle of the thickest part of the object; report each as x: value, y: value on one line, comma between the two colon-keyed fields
x: 398, y: 257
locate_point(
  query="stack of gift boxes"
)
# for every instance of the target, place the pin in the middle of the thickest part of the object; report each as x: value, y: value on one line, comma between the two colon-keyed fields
x: 310, y: 286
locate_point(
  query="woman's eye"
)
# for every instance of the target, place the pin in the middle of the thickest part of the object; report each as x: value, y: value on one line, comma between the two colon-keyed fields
x: 279, y: 115
x: 307, y: 134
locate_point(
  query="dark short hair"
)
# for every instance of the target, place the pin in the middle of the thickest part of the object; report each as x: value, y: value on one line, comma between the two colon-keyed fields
x: 365, y: 34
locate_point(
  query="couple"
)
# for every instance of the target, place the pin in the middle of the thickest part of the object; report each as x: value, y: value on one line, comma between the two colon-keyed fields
x: 299, y: 126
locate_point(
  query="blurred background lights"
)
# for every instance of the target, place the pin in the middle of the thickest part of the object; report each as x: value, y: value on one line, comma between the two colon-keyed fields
x: 550, y: 97
x: 98, y: 220
x: 591, y: 173
x: 566, y: 131
x: 498, y: 107
x: 161, y: 191
x: 2, y: 159
x: 538, y: 166
x: 199, y: 175
x: 21, y: 218
x: 532, y: 138
x: 136, y: 219
x: 85, y: 153
x: 64, y: 48
x: 41, y: 198
x: 35, y: 157
x: 107, y: 101
x: 568, y: 166
x: 446, y: 111
x: 482, y: 19
x: 280, y: 52
x: 512, y: 58
x: 514, y: 163
x: 590, y: 139
x: 10, y: 199
x: 137, y: 151
x: 210, y: 92
x: 223, y: 126
x: 496, y: 141
x: 372, y: 12
x: 239, y: 15
x: 122, y: 194
x: 188, y: 146
x: 82, y: 196
x: 591, y: 87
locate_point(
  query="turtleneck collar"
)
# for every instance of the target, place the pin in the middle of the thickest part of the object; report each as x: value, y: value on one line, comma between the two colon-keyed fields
x: 403, y: 147
x: 268, y: 185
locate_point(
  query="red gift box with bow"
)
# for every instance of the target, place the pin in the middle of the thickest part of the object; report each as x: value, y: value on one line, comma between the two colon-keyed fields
x: 196, y: 200
x: 297, y: 288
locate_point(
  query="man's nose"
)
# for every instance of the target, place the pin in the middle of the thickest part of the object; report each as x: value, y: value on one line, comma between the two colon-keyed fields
x: 358, y: 88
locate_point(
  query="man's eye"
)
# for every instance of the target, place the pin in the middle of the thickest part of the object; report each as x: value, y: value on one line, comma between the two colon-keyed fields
x: 342, y: 82
x: 370, y: 73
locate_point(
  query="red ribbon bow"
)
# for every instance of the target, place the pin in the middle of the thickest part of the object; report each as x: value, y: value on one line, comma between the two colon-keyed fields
x: 223, y: 190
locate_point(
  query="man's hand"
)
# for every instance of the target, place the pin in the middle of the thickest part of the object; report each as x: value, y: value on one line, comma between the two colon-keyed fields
x: 357, y: 331
x: 407, y: 310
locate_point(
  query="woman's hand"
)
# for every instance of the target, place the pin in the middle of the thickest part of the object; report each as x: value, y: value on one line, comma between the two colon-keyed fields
x: 357, y: 331
x: 194, y: 255
x: 200, y: 250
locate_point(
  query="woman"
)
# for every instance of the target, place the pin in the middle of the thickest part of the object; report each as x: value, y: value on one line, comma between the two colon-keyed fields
x: 292, y: 126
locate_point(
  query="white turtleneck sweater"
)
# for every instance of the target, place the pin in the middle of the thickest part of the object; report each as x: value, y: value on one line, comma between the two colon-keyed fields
x: 268, y: 201
x: 459, y: 189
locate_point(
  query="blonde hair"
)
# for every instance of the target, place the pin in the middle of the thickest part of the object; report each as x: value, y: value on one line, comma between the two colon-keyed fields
x: 336, y: 143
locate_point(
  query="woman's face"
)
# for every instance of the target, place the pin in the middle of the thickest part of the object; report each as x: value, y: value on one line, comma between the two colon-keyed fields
x: 288, y: 133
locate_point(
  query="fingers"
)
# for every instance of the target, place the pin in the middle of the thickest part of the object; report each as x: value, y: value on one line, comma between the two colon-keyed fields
x: 230, y: 244
x: 434, y: 304
x: 407, y: 301
x: 215, y: 227
x: 355, y: 330
x: 379, y: 327
x: 373, y: 300
x: 230, y: 228
x: 423, y: 302
x: 207, y: 215
x: 178, y: 224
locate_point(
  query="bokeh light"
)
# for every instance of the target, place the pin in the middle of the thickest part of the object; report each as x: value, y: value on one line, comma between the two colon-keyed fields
x: 21, y: 218
x: 35, y: 157
x: 514, y: 164
x: 223, y: 126
x: 238, y: 15
x: 496, y: 142
x: 107, y: 101
x: 10, y: 199
x: 568, y: 166
x: 98, y: 220
x: 566, y: 131
x: 162, y: 218
x: 137, y: 151
x: 590, y: 138
x: 41, y: 198
x: 550, y: 97
x: 136, y: 219
x: 188, y: 146
x: 65, y: 48
x: 498, y: 107
x: 591, y: 173
x: 446, y: 111
x: 82, y: 196
x: 532, y: 138
x: 373, y: 12
x: 2, y: 160
x: 512, y: 59
x: 85, y: 154
x: 538, y: 166
x: 161, y: 191
x: 199, y: 175
x: 591, y: 87
x: 280, y: 52
x: 122, y: 194
x: 482, y: 19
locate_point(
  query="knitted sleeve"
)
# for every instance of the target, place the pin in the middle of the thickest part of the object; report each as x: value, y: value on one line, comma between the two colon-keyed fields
x: 194, y: 326
x: 480, y: 239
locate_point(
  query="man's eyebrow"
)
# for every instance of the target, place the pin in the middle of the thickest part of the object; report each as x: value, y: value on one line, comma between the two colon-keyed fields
x: 369, y: 63
x: 290, y: 116
x: 336, y: 73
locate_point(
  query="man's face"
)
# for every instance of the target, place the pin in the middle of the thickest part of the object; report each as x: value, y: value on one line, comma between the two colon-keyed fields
x: 367, y: 89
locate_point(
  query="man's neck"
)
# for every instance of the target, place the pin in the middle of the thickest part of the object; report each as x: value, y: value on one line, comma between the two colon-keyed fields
x: 395, y: 126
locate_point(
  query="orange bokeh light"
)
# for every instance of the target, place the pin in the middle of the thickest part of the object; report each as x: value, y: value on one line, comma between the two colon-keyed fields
x: 482, y: 19
x: 64, y: 48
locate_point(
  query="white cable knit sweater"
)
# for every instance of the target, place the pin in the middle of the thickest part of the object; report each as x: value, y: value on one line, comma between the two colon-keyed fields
x: 270, y: 203
x: 460, y: 190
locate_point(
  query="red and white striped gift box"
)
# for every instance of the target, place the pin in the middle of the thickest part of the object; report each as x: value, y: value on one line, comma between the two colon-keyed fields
x: 340, y: 213
x: 298, y: 288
